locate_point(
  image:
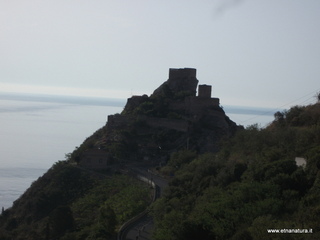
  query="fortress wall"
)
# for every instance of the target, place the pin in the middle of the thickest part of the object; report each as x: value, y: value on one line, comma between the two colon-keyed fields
x: 118, y: 120
x: 179, y: 105
x: 195, y: 105
x: 175, y: 124
x: 182, y: 73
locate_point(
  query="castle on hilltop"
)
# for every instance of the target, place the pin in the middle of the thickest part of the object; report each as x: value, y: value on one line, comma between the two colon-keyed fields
x: 184, y: 81
x: 179, y: 111
x: 181, y: 82
x: 178, y: 96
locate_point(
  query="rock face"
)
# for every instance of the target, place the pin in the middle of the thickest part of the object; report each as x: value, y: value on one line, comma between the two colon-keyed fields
x: 172, y: 118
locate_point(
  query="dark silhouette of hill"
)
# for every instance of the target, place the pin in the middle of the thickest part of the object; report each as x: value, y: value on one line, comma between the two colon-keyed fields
x: 153, y: 127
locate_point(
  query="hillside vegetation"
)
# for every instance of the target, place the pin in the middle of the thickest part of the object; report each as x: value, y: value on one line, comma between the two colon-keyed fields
x: 72, y: 203
x: 252, y: 184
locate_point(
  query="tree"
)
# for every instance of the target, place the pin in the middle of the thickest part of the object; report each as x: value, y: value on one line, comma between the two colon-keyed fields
x: 105, y: 228
x: 107, y: 219
x: 61, y: 220
x: 318, y: 97
x: 278, y: 116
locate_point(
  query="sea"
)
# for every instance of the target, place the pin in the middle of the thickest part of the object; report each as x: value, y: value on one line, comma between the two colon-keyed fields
x: 38, y: 130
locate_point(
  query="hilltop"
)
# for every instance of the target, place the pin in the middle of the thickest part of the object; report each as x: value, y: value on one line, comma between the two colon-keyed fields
x: 150, y: 128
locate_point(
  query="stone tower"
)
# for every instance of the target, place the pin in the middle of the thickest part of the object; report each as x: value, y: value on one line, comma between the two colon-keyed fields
x: 204, y: 91
x: 182, y: 73
x: 180, y: 80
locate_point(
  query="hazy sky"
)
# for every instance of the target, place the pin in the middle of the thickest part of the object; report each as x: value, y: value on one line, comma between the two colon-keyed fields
x: 253, y: 52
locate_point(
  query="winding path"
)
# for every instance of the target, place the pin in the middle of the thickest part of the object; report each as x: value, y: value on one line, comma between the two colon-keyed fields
x: 142, y: 226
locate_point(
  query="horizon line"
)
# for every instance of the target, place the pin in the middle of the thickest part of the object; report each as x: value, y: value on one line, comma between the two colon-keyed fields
x: 117, y: 102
